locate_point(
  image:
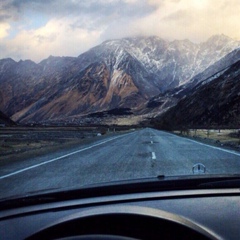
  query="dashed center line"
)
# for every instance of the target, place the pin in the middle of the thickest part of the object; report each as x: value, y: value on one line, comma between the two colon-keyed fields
x: 153, y: 155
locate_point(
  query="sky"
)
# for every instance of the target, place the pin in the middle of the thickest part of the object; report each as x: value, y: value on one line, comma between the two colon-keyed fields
x: 36, y: 29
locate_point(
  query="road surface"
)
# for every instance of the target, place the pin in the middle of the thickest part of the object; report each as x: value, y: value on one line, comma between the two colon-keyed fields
x: 137, y: 154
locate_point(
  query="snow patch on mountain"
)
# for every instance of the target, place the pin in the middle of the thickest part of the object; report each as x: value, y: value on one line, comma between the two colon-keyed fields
x: 170, y: 64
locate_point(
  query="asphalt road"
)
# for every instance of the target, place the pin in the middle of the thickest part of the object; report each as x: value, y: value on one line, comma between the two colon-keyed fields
x: 137, y: 154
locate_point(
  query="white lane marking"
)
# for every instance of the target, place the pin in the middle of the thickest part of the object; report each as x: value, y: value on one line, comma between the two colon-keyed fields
x: 204, y: 144
x: 61, y: 157
x: 151, y: 142
x: 153, y: 155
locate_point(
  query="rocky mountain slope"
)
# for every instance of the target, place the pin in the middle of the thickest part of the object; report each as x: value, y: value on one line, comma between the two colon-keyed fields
x: 210, y: 104
x: 160, y: 103
x: 211, y: 73
x: 123, y: 73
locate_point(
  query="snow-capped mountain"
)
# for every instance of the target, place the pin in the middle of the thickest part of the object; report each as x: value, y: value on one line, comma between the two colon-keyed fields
x: 170, y: 63
x: 122, y: 73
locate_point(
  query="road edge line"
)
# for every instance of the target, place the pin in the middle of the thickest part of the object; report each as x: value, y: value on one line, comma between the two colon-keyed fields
x: 58, y: 158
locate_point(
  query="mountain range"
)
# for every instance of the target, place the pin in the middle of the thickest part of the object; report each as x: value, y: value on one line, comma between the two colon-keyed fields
x: 146, y: 75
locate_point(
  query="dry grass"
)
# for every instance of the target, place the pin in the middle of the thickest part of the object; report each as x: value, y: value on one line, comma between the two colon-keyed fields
x: 23, y: 139
x: 26, y: 142
x: 124, y: 121
x: 9, y: 147
x: 225, y: 136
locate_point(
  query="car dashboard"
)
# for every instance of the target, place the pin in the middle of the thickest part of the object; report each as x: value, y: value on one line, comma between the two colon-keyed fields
x: 168, y: 214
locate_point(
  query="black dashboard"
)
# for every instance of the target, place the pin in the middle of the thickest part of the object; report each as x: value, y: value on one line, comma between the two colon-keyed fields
x: 176, y: 214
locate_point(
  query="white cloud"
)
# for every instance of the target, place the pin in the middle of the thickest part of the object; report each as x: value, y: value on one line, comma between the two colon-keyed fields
x: 55, y: 38
x: 4, y: 28
x: 196, y: 20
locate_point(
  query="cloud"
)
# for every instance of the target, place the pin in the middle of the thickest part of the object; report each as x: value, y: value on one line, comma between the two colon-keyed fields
x: 55, y: 38
x: 4, y: 27
x: 196, y: 20
x: 61, y: 8
x: 35, y: 29
x: 59, y: 27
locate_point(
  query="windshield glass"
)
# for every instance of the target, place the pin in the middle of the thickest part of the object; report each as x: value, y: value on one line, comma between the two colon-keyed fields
x: 93, y: 92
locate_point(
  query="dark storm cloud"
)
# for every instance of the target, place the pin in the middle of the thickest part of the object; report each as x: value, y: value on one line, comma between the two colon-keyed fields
x: 15, y: 9
x: 5, y: 11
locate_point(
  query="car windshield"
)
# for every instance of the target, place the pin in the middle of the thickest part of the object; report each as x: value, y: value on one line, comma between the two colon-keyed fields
x: 99, y: 91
